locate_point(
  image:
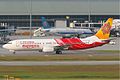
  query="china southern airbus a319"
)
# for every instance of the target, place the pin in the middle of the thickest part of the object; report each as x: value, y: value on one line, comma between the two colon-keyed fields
x: 58, y: 45
x: 46, y: 29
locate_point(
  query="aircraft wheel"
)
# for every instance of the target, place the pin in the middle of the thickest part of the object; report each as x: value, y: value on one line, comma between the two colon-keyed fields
x: 58, y: 52
x: 14, y: 52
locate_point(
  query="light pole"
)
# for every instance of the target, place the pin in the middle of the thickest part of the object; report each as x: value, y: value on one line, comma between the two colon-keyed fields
x: 30, y: 18
x: 89, y: 10
x: 67, y: 19
x: 118, y: 13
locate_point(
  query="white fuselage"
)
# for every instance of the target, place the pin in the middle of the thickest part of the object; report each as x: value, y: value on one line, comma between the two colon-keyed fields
x: 42, y: 32
x: 50, y: 45
x: 70, y: 30
x: 30, y: 44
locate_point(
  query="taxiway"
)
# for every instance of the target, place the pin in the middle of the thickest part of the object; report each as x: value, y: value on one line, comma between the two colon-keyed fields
x: 40, y: 63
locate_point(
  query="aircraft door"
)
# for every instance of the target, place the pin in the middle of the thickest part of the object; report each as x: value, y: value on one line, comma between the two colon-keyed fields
x: 17, y: 44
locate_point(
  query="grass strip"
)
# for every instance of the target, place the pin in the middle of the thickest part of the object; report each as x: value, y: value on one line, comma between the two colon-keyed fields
x: 60, y: 58
x: 61, y: 72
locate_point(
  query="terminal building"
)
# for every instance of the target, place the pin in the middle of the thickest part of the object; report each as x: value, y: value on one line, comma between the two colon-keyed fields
x: 19, y: 13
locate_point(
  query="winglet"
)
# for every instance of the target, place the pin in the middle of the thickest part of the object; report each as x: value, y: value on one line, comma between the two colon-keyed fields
x: 104, y: 31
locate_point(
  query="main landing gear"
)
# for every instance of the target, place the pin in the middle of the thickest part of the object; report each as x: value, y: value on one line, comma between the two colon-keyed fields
x: 14, y: 52
x: 58, y: 52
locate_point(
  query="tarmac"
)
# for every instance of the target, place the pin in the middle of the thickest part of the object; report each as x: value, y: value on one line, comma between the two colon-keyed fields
x: 46, y: 63
x: 89, y: 52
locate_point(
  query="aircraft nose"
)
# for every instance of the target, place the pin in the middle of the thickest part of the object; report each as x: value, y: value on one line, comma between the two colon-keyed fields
x: 5, y: 46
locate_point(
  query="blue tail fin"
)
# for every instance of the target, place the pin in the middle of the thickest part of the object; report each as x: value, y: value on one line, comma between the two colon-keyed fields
x: 45, y: 24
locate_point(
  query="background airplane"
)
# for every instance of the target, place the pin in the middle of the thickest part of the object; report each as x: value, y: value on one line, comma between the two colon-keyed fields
x: 57, y: 45
x: 47, y: 30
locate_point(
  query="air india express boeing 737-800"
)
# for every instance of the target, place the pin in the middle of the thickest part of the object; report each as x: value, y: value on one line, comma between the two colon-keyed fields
x: 57, y: 45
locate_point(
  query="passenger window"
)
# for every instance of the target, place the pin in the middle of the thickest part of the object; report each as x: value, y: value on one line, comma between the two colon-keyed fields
x: 87, y: 41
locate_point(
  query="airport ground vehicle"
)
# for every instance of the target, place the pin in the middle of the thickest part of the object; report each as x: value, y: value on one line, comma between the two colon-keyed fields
x: 115, y: 32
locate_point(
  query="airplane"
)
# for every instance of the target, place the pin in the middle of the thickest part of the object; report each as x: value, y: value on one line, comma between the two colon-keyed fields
x: 46, y: 29
x: 59, y: 44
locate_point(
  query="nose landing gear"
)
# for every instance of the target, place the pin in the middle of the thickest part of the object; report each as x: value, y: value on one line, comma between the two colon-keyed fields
x: 12, y: 51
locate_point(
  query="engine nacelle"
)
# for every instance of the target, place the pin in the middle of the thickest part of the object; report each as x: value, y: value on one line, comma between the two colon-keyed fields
x: 48, y: 49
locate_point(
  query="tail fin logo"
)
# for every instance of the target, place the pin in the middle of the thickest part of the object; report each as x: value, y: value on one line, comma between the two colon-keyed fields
x: 106, y: 28
x: 44, y: 23
x: 104, y: 31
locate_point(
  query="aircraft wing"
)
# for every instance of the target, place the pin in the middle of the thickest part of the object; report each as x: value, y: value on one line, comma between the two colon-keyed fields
x: 65, y: 46
x: 7, y: 30
x: 44, y: 32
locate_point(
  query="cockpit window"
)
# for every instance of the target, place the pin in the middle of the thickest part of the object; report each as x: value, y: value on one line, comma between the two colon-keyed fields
x: 9, y: 43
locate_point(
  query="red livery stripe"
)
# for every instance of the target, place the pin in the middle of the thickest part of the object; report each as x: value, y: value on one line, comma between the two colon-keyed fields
x: 76, y: 43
